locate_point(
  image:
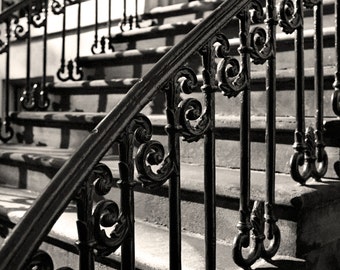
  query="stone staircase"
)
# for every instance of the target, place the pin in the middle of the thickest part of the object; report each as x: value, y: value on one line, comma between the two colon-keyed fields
x: 45, y: 140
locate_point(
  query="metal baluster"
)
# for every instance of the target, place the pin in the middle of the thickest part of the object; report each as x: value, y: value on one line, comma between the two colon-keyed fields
x: 175, y: 260
x: 272, y: 231
x: 43, y: 101
x: 291, y: 19
x: 9, y: 132
x: 61, y: 70
x: 208, y: 88
x: 79, y: 70
x: 137, y: 17
x: 245, y: 226
x: 28, y: 99
x: 124, y: 20
x: 110, y: 41
x: 336, y: 84
x: 321, y: 159
x: 126, y: 167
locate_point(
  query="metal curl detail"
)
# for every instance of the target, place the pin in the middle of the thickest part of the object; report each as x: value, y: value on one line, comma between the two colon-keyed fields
x: 189, y: 82
x: 3, y: 47
x: 336, y: 102
x: 40, y: 260
x: 20, y: 33
x: 310, y: 160
x: 255, y: 232
x: 262, y: 48
x: 232, y: 79
x: 107, y: 215
x: 257, y: 14
x: 57, y: 7
x: 37, y: 20
x: 150, y: 154
x: 191, y: 111
x: 250, y: 232
x: 290, y: 17
x: 7, y: 133
x: 103, y: 179
x: 222, y: 46
x: 70, y: 74
x: 27, y: 99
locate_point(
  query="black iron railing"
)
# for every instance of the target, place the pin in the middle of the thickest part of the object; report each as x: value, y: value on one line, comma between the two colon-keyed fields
x: 83, y: 174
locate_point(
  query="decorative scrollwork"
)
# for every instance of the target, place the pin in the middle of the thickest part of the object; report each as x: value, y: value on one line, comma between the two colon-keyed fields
x: 20, y: 32
x: 27, y: 98
x: 151, y: 154
x: 106, y: 215
x: 232, y: 79
x: 262, y: 47
x: 94, y: 47
x: 37, y: 20
x: 57, y: 7
x: 256, y: 12
x: 40, y: 260
x: 103, y: 179
x: 309, y: 161
x: 35, y: 98
x: 248, y: 232
x: 336, y: 98
x: 3, y: 47
x: 255, y: 233
x: 71, y: 72
x: 6, y: 131
x: 194, y: 122
x: 290, y: 17
x: 191, y: 111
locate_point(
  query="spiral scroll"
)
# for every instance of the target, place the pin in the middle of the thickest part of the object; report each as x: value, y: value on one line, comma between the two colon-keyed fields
x: 256, y: 12
x: 290, y: 17
x: 107, y: 215
x: 256, y: 233
x: 72, y: 70
x: 262, y: 47
x: 312, y: 161
x: 40, y: 260
x: 232, y: 78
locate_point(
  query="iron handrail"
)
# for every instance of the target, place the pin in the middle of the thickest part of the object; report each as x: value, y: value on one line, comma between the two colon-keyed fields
x: 38, y: 221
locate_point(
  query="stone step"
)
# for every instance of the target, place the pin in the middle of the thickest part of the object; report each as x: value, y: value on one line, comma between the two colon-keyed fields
x: 105, y: 94
x: 151, y: 241
x: 296, y: 207
x: 142, y: 58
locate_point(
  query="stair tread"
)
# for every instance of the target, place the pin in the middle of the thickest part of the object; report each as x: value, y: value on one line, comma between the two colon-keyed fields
x: 285, y: 79
x: 181, y: 9
x: 150, y: 55
x: 93, y: 86
x: 151, y: 252
x: 288, y: 192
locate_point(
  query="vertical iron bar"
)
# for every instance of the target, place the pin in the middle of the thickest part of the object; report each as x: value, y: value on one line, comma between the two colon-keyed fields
x: 28, y: 47
x: 318, y: 80
x: 271, y: 118
x: 78, y: 35
x: 43, y: 80
x: 127, y: 202
x: 244, y: 224
x: 299, y: 144
x: 136, y: 14
x: 175, y: 261
x: 175, y: 207
x: 8, y: 36
x: 62, y: 66
x: 209, y: 159
x: 336, y: 84
x: 85, y: 226
x: 109, y: 22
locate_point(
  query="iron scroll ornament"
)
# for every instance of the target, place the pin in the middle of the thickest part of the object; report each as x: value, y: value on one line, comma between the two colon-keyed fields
x: 42, y: 260
x: 312, y: 161
x: 150, y: 153
x: 291, y: 18
x: 107, y: 215
x: 35, y: 98
x: 255, y: 231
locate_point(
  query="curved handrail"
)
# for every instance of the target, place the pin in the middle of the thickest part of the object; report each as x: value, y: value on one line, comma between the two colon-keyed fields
x: 38, y: 221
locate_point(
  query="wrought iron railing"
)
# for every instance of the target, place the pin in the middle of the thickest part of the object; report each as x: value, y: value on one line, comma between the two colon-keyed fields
x: 83, y: 174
